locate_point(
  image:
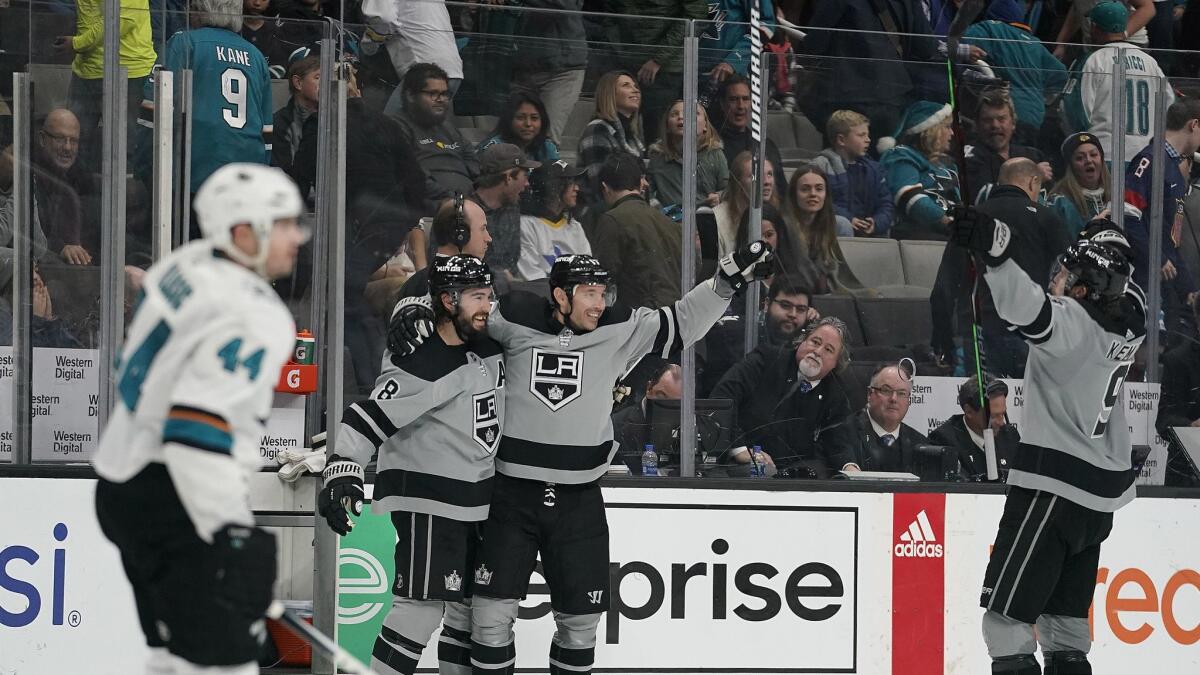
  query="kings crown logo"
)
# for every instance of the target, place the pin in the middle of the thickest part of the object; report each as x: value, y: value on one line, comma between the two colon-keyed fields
x: 556, y: 393
x: 483, y: 576
x: 453, y: 581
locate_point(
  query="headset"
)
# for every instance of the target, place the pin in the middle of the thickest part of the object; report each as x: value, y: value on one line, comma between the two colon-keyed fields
x: 461, y: 235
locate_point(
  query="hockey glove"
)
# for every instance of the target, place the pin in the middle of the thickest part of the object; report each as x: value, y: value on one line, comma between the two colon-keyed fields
x: 977, y: 231
x: 245, y: 569
x: 752, y: 261
x: 412, y: 323
x: 342, y: 494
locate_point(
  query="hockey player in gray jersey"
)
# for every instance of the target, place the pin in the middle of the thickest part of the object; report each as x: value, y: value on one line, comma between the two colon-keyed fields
x: 1073, y: 468
x: 562, y: 359
x: 435, y: 420
x: 195, y: 383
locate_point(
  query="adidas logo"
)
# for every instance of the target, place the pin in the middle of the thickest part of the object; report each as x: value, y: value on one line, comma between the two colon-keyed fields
x: 919, y: 541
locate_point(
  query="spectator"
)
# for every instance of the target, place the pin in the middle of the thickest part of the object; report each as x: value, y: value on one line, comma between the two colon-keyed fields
x: 816, y: 228
x: 859, y: 192
x: 630, y: 424
x: 1080, y: 17
x: 85, y: 93
x: 503, y: 176
x: 297, y: 121
x: 877, y: 73
x: 45, y: 329
x: 920, y: 175
x: 447, y: 159
x: 414, y: 33
x: 790, y: 402
x: 666, y: 161
x: 1020, y: 58
x: 1087, y: 103
x: 1180, y: 140
x: 1180, y: 404
x: 548, y: 225
x: 231, y: 90
x: 65, y: 193
x: 725, y: 43
x: 790, y: 262
x: 524, y: 123
x: 1082, y: 193
x: 7, y: 215
x: 654, y: 49
x: 616, y: 127
x: 1038, y: 239
x: 964, y: 431
x: 735, y: 121
x: 640, y: 247
x: 884, y: 441
x: 995, y: 123
x: 552, y: 56
x: 459, y: 227
x: 262, y: 31
x: 735, y: 200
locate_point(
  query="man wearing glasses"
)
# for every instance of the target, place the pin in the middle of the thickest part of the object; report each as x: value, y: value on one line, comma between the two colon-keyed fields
x: 883, y: 441
x: 447, y: 159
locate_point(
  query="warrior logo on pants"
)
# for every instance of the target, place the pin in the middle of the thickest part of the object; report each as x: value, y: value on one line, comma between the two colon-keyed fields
x: 556, y: 376
x: 487, y: 421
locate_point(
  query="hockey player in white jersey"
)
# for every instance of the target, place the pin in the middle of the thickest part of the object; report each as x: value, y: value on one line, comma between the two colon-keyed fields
x: 195, y: 382
x: 1074, y: 465
x: 435, y: 420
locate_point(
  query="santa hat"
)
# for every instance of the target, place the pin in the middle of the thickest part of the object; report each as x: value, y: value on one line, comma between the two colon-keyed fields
x: 920, y: 116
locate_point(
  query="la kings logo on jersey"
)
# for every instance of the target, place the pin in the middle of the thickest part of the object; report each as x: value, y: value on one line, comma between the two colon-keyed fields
x: 487, y: 421
x: 556, y: 377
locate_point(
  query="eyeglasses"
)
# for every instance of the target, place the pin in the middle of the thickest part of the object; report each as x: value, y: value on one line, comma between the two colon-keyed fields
x: 61, y: 139
x: 888, y: 392
x: 791, y: 307
x: 437, y: 94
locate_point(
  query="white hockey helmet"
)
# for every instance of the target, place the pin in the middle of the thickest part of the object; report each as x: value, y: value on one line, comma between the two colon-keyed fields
x: 253, y: 194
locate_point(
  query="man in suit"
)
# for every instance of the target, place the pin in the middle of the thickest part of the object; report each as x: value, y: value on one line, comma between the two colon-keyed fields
x: 883, y: 441
x: 630, y: 424
x: 965, y: 431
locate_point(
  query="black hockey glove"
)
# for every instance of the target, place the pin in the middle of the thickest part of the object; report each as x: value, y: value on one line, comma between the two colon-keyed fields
x: 412, y: 323
x: 977, y: 231
x: 245, y: 569
x: 342, y: 494
x: 750, y: 262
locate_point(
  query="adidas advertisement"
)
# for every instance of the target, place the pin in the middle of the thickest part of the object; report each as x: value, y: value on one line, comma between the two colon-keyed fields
x: 919, y: 540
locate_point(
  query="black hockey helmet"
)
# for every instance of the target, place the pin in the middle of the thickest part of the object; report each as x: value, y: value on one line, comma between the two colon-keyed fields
x: 572, y: 270
x: 1105, y: 231
x: 458, y: 273
x: 1102, y: 268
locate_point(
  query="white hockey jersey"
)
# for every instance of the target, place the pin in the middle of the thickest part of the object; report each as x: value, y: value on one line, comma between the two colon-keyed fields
x: 543, y: 240
x: 195, y: 382
x: 1088, y: 99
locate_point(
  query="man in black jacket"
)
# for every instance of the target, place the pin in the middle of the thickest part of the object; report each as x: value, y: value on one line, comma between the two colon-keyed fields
x: 965, y: 430
x: 1180, y: 405
x: 995, y: 124
x: 791, y: 403
x: 883, y: 442
x: 1038, y: 239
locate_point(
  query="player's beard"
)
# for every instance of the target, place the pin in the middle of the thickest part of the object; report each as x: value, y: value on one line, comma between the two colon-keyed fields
x: 465, y: 325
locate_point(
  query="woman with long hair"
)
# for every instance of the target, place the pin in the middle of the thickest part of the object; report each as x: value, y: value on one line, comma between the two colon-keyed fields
x: 788, y: 260
x: 735, y: 200
x: 1082, y: 193
x: 616, y: 126
x: 524, y: 123
x: 666, y: 160
x: 920, y: 173
x: 809, y: 209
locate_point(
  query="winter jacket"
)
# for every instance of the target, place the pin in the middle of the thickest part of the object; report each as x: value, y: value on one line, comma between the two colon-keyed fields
x: 294, y: 147
x: 660, y: 36
x: 1022, y: 60
x: 859, y: 189
x: 642, y: 250
x: 666, y: 175
x: 726, y: 39
x: 983, y: 164
x: 554, y: 41
x: 922, y: 192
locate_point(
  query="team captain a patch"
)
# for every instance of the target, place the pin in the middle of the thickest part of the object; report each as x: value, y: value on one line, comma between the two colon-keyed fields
x: 556, y: 377
x: 487, y: 421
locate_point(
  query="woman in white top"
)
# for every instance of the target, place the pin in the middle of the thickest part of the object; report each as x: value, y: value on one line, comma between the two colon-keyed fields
x: 548, y: 228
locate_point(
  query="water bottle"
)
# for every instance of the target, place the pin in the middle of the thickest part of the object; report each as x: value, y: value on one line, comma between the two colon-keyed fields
x: 649, y: 461
x: 758, y: 462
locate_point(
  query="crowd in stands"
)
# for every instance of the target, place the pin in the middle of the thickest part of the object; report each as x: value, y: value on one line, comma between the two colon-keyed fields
x: 521, y: 135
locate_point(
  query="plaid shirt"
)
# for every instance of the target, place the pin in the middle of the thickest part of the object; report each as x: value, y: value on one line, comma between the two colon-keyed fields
x: 600, y: 140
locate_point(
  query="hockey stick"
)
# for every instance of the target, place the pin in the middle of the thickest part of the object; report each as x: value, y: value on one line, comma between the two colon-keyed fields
x: 967, y: 13
x: 340, y: 657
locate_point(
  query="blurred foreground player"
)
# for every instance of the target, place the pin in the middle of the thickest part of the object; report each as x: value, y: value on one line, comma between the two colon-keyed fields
x: 435, y: 419
x: 195, y: 383
x: 1073, y: 468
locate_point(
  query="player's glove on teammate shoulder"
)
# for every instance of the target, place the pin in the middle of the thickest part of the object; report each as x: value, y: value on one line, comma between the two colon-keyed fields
x: 977, y: 231
x: 752, y: 261
x: 411, y: 324
x: 342, y: 494
x: 244, y: 568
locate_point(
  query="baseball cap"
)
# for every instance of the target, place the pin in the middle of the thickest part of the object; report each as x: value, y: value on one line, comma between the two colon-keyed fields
x: 560, y: 169
x: 501, y: 157
x: 1110, y: 17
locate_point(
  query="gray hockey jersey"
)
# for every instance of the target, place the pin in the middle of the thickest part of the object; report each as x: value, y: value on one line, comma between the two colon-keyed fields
x: 195, y: 382
x: 557, y: 427
x: 1075, y: 441
x: 435, y: 418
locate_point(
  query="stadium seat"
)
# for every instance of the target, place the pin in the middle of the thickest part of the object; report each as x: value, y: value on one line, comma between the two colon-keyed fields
x: 781, y: 130
x: 876, y: 262
x: 920, y: 260
x: 50, y: 83
x: 904, y: 291
x: 842, y: 307
x: 280, y: 94
x: 895, y: 321
x: 808, y: 138
x: 577, y: 120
